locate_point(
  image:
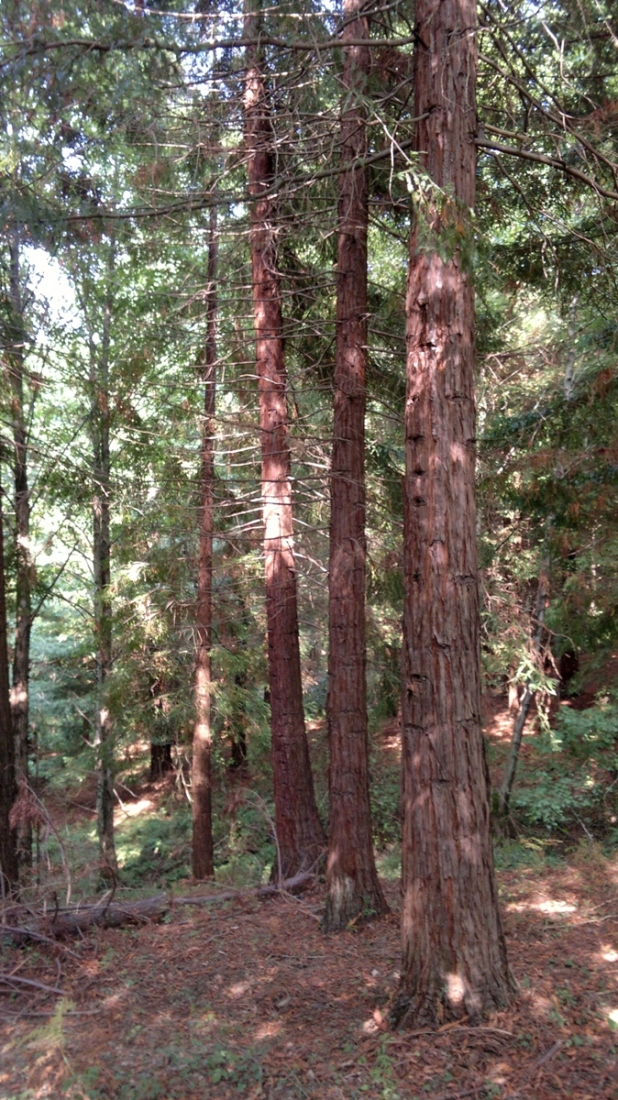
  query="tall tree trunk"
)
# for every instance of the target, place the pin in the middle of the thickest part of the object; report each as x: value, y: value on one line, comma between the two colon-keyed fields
x: 23, y: 555
x: 353, y: 886
x: 8, y: 790
x: 103, y: 731
x: 454, y: 955
x: 201, y: 787
x: 300, y: 834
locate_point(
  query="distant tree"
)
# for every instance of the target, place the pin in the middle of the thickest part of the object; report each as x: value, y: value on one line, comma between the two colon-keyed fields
x: 100, y: 421
x: 300, y: 834
x: 8, y: 850
x: 353, y: 886
x: 202, y: 843
x: 15, y: 346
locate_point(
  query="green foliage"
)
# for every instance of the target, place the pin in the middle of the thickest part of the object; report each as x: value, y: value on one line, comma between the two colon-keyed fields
x: 578, y: 779
x: 556, y: 799
x: 525, y: 852
x: 590, y: 734
x: 154, y: 848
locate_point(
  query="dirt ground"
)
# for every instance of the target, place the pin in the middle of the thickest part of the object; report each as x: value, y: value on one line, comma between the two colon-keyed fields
x: 248, y: 998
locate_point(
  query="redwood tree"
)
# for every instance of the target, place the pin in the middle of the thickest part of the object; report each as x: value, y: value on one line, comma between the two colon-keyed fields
x: 300, y: 834
x: 353, y: 886
x: 454, y: 956
x: 202, y: 846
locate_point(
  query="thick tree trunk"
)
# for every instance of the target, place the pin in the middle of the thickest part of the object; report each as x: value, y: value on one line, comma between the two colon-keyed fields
x: 352, y: 880
x: 201, y: 787
x: 300, y: 834
x: 23, y: 554
x: 103, y: 731
x: 8, y: 789
x: 454, y: 955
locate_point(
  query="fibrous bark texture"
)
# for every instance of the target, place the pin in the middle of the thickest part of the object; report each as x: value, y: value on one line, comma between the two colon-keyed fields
x: 454, y: 956
x: 300, y: 835
x: 8, y: 790
x: 353, y: 886
x: 201, y: 792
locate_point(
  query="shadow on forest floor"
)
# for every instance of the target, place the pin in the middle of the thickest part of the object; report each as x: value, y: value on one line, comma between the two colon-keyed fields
x: 250, y: 999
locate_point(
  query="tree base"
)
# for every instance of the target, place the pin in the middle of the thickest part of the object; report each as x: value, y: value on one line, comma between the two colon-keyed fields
x: 348, y: 904
x: 432, y: 1008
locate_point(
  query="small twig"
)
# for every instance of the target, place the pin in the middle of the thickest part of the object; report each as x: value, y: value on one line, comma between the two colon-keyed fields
x: 494, y: 1030
x: 25, y: 1013
x: 287, y: 896
x: 266, y: 813
x: 35, y: 985
x: 547, y: 1056
x: 122, y: 805
x: 52, y: 828
x: 125, y: 788
x: 460, y: 1095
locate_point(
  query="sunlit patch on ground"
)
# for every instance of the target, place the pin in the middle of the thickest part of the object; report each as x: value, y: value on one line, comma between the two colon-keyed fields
x: 239, y: 989
x: 553, y: 906
x: 267, y: 1031
x: 132, y: 809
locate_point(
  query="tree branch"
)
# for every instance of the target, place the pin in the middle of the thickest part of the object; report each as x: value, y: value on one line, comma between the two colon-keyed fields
x: 552, y: 162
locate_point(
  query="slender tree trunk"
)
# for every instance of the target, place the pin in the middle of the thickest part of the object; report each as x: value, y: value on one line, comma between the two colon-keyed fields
x: 201, y: 786
x: 238, y: 726
x: 353, y: 886
x: 103, y: 731
x: 8, y: 789
x: 300, y: 834
x: 454, y: 955
x: 161, y: 762
x: 23, y: 555
x: 504, y: 795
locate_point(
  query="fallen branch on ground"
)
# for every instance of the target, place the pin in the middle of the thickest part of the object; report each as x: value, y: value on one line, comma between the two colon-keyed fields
x: 10, y: 979
x: 72, y: 920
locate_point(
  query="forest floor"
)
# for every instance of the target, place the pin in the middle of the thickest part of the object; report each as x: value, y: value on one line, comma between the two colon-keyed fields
x: 246, y: 997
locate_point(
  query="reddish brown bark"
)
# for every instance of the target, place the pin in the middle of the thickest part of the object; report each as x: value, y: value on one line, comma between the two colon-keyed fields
x: 352, y: 880
x: 300, y: 834
x: 201, y: 785
x: 454, y: 956
x: 8, y: 789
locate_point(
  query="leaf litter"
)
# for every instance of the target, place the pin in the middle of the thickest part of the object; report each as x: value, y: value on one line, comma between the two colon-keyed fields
x: 249, y: 998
